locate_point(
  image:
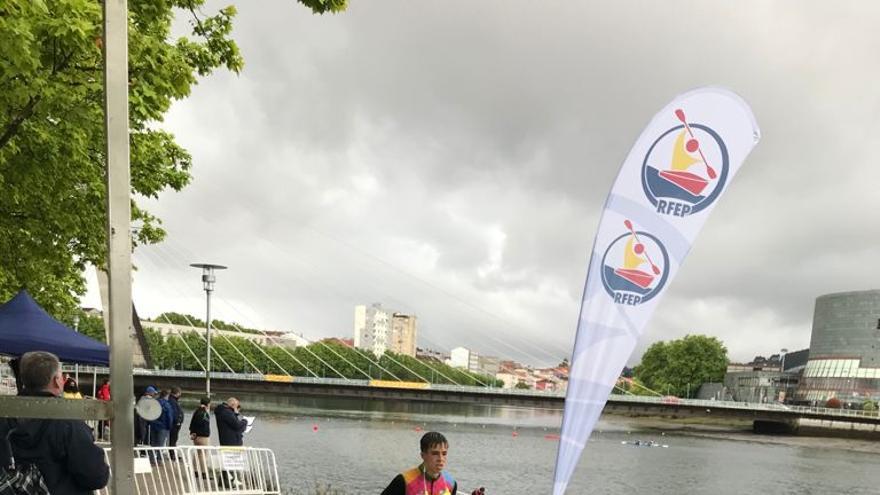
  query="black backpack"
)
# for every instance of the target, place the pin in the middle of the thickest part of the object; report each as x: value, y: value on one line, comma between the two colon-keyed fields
x: 24, y: 479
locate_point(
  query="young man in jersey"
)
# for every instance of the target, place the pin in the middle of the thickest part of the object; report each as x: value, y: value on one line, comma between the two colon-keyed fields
x: 428, y: 478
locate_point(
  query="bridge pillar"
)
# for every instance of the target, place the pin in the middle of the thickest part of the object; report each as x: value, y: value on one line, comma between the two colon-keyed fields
x: 775, y: 427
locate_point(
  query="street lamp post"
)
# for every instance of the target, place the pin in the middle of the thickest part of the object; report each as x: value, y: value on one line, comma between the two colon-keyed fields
x: 208, y: 280
x: 76, y: 365
x: 783, y: 383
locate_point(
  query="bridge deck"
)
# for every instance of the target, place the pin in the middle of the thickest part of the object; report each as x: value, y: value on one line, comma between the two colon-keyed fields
x: 293, y: 387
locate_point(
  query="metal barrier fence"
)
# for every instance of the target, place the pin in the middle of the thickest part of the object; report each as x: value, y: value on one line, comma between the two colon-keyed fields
x: 192, y: 470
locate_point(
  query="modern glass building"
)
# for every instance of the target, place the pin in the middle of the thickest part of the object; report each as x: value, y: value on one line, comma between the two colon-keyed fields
x: 844, y: 360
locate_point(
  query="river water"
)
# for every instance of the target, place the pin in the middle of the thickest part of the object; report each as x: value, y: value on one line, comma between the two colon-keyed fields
x: 359, y: 451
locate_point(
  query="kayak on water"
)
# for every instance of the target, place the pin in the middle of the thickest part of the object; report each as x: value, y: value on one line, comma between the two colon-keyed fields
x: 649, y: 443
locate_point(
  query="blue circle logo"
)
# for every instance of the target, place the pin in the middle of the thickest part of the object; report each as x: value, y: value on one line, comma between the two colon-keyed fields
x: 685, y: 169
x: 635, y: 267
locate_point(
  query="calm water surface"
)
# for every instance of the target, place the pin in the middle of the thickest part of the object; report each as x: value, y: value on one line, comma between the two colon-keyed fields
x: 360, y: 451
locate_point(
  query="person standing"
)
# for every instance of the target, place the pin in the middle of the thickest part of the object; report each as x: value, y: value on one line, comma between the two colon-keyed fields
x: 230, y: 424
x: 428, y: 477
x: 200, y: 424
x: 200, y: 432
x: 63, y: 450
x: 230, y: 430
x: 71, y: 389
x: 160, y: 427
x: 103, y: 393
x: 177, y: 414
x: 141, y: 426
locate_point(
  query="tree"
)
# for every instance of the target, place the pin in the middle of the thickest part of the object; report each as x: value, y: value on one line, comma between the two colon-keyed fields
x: 680, y: 366
x: 52, y: 156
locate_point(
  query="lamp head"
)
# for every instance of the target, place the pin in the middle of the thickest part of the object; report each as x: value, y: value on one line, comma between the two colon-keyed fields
x: 208, y: 278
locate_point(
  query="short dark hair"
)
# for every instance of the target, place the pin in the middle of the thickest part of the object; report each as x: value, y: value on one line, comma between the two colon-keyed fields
x: 205, y: 401
x: 37, y: 369
x: 175, y: 390
x: 431, y: 439
x: 70, y: 386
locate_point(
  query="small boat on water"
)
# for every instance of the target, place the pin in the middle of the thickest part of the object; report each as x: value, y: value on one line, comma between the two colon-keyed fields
x: 649, y: 443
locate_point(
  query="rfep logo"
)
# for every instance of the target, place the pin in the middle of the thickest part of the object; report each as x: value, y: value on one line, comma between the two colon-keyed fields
x: 685, y: 169
x: 634, y: 267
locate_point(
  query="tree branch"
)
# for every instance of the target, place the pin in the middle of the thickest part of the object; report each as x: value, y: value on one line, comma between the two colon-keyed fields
x: 13, y: 125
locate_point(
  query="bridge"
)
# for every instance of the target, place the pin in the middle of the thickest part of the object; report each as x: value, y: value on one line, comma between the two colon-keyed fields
x: 282, y: 389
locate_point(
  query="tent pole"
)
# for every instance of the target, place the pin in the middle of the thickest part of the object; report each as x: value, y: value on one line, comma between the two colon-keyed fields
x: 119, y: 244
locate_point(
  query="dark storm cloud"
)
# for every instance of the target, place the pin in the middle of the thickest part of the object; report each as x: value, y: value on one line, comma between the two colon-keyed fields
x: 452, y: 158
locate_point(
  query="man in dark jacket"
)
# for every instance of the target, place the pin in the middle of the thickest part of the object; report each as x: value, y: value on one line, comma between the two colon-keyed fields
x: 160, y: 427
x: 230, y: 424
x: 177, y: 416
x: 63, y: 449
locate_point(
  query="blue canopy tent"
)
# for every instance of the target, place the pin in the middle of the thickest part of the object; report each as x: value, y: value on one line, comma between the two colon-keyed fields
x: 25, y: 327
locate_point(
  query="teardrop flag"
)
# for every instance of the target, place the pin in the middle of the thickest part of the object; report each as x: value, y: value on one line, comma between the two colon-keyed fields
x: 667, y: 187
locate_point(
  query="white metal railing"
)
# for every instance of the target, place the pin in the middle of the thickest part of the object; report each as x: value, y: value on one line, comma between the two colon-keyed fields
x: 192, y: 470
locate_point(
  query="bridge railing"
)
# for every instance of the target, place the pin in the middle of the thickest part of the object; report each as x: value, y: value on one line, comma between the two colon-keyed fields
x: 751, y: 406
x: 538, y: 394
x: 191, y: 470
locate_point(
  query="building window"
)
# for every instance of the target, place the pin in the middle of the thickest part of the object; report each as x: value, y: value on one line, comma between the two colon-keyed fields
x: 878, y: 323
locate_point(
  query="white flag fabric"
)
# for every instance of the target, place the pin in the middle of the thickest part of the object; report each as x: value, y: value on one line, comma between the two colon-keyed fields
x: 667, y: 187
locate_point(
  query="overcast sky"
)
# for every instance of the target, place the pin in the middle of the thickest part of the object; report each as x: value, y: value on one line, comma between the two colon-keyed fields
x: 451, y: 159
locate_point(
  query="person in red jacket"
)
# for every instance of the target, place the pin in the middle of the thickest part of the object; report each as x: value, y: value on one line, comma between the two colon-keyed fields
x: 103, y: 393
